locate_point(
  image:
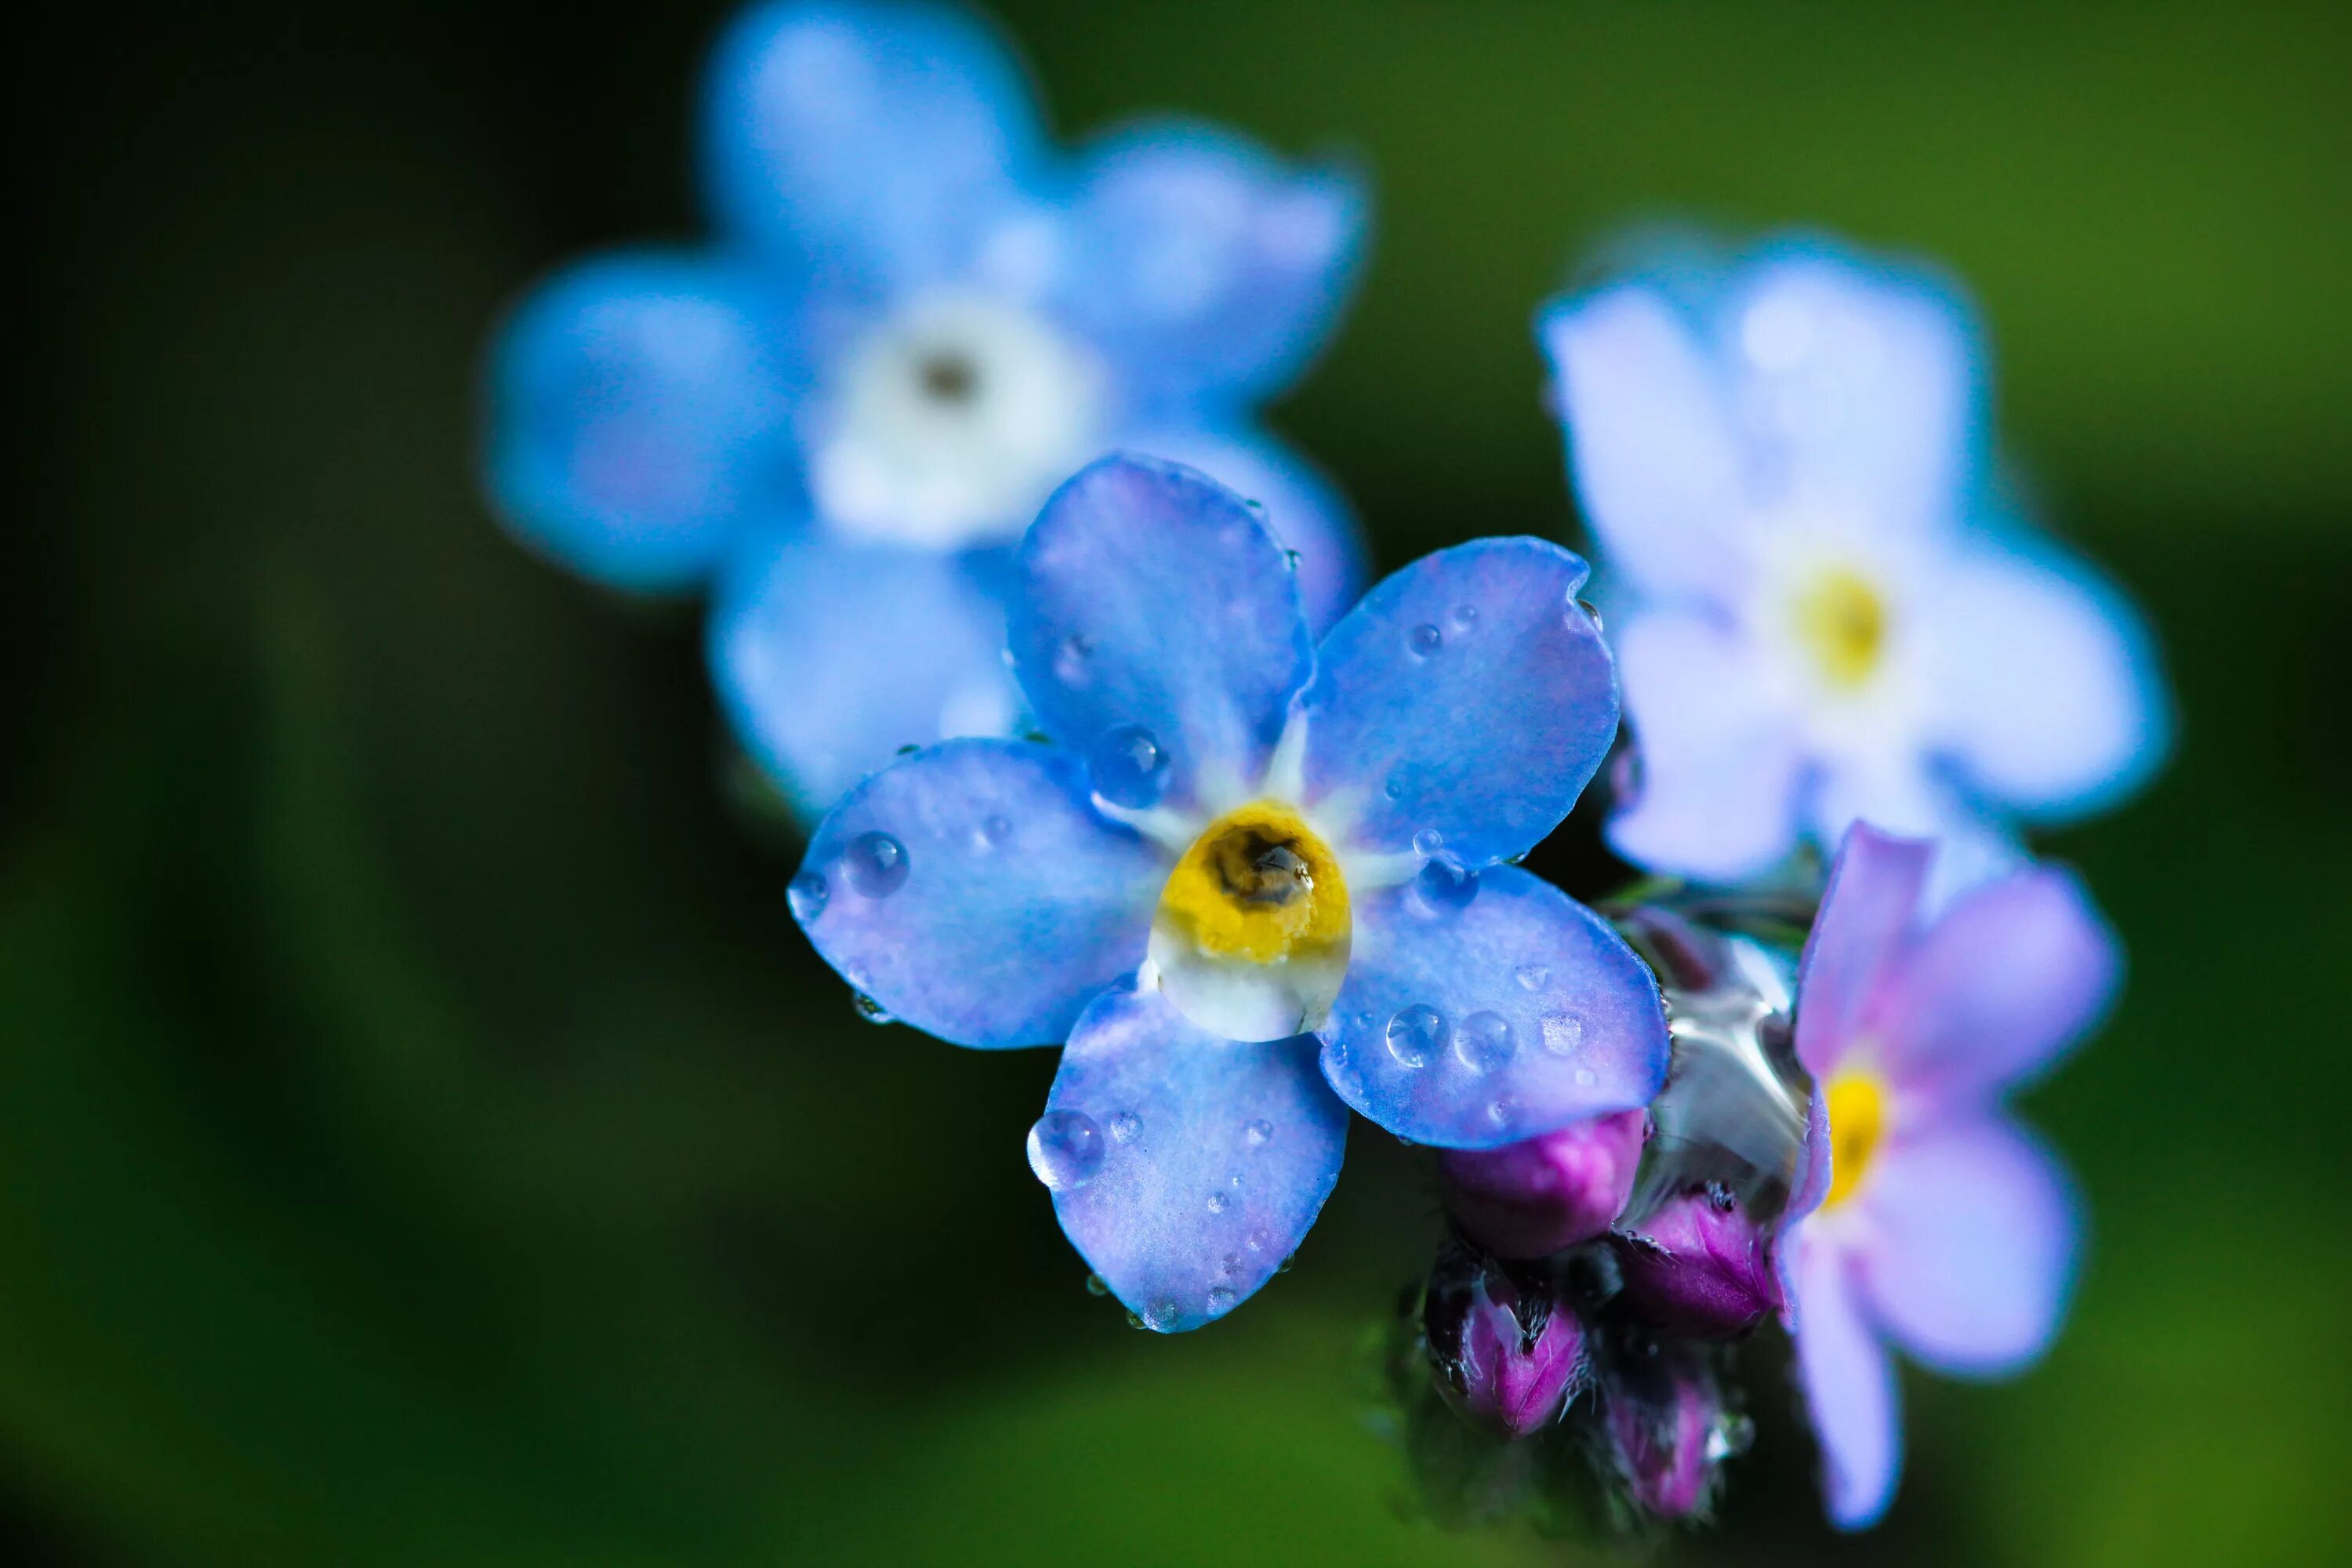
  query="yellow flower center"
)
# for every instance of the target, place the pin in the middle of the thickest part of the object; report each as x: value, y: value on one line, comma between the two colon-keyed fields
x: 1841, y: 621
x: 1251, y: 934
x: 1858, y: 1102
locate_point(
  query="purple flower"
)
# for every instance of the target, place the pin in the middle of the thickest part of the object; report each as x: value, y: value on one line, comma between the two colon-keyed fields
x: 1699, y: 1267
x: 1508, y: 1355
x: 1541, y: 1196
x: 1941, y: 1225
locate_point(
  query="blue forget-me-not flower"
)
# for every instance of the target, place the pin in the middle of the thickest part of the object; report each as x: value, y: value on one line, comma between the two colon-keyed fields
x: 1828, y: 611
x: 1255, y: 881
x: 918, y: 318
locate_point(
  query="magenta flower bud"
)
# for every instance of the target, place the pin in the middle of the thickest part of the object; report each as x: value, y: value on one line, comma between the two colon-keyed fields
x: 1668, y: 1433
x: 1540, y: 1196
x: 1507, y: 1356
x: 1699, y: 1267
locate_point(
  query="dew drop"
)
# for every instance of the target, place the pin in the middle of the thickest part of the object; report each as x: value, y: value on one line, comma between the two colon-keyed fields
x: 1562, y: 1033
x: 991, y: 832
x: 808, y: 896
x: 1502, y: 1112
x: 1098, y: 1286
x: 1415, y: 1032
x: 1073, y: 661
x: 1445, y: 886
x: 1260, y: 1240
x: 1125, y: 1126
x: 1284, y: 1266
x: 1464, y: 616
x: 1233, y: 1265
x: 1424, y: 639
x: 1129, y: 767
x: 1394, y: 787
x: 1161, y: 1314
x: 1533, y: 978
x: 1258, y: 1133
x: 1428, y: 842
x: 1483, y: 1042
x: 1729, y: 1437
x: 877, y: 864
x: 1591, y: 613
x: 1219, y: 1202
x: 1066, y: 1149
x: 1221, y: 1297
x: 1586, y: 1077
x: 873, y: 1011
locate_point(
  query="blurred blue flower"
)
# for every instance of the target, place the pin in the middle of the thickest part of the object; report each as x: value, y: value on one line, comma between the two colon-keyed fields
x: 1257, y: 881
x: 918, y: 319
x: 1934, y: 1220
x: 1827, y: 614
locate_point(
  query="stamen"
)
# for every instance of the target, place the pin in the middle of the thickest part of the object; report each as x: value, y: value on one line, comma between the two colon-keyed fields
x: 1857, y: 1107
x: 1252, y: 932
x: 1841, y: 621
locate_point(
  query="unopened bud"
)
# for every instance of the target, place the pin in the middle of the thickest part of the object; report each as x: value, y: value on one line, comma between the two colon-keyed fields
x: 1698, y: 1266
x: 1507, y: 1355
x: 1668, y: 1431
x: 1539, y: 1196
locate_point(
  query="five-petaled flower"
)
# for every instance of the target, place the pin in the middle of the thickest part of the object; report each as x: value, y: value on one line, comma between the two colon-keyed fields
x: 1936, y: 1221
x: 1827, y: 614
x: 919, y: 319
x: 1257, y: 882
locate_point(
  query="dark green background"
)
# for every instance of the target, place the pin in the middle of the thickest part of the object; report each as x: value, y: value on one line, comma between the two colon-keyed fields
x: 424, y: 1138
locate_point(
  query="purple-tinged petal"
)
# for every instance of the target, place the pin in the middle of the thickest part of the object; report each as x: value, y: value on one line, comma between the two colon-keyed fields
x: 1866, y: 914
x: 971, y: 890
x: 2010, y: 975
x: 1849, y: 1385
x: 1544, y: 1195
x: 1211, y: 270
x: 1303, y: 506
x: 1472, y: 1025
x: 1972, y: 1243
x: 1719, y: 762
x: 2044, y: 682
x: 639, y: 414
x: 1214, y: 1157
x: 1807, y: 1191
x: 1652, y: 450
x: 871, y: 141
x: 1149, y: 600
x: 1699, y: 1267
x: 1468, y: 695
x: 830, y: 655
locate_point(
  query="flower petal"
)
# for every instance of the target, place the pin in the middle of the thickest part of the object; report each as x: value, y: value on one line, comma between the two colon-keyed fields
x: 639, y: 408
x: 2010, y: 975
x: 1866, y: 915
x: 1303, y: 506
x: 872, y: 141
x: 1472, y: 1025
x: 970, y: 891
x: 1849, y: 1383
x: 1209, y: 268
x: 1651, y: 449
x: 1857, y: 387
x: 1467, y: 695
x: 830, y: 656
x: 1215, y: 1157
x: 1972, y: 1246
x: 1720, y: 764
x: 2044, y: 683
x: 1148, y: 597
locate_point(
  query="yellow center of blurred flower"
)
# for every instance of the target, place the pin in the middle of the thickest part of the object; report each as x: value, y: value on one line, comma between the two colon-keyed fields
x: 1251, y: 934
x: 1858, y: 1102
x: 1842, y: 622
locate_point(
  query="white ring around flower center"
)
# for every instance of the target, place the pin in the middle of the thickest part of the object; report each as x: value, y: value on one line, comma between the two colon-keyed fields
x: 954, y: 420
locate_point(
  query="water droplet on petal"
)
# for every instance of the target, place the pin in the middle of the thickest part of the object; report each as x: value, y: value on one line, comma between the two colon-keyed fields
x: 1591, y: 613
x: 1161, y: 1314
x: 1260, y: 1240
x: 1066, y: 1149
x: 1256, y: 1134
x: 1502, y: 1112
x: 1394, y: 787
x: 1129, y: 767
x: 1219, y: 1202
x: 1562, y: 1033
x: 991, y: 832
x: 1586, y: 1077
x: 1125, y: 1126
x: 1073, y: 661
x: 1221, y: 1297
x: 1098, y: 1286
x: 1416, y: 1032
x: 1233, y: 1264
x: 808, y: 896
x: 1428, y: 842
x: 873, y: 1011
x: 877, y: 864
x: 1483, y: 1042
x: 1424, y: 639
x: 1465, y: 616
x: 1533, y: 976
x: 1445, y: 886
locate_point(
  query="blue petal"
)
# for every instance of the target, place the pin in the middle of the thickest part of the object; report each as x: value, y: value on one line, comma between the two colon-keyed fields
x: 872, y: 143
x: 639, y: 409
x: 1215, y: 1157
x: 1867, y: 914
x: 1147, y: 598
x: 972, y: 891
x: 830, y: 656
x: 1303, y: 506
x: 1477, y: 1025
x: 1467, y: 694
x: 1209, y: 268
x: 1848, y: 1378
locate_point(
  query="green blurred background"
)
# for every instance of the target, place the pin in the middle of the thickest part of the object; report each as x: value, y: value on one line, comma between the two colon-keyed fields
x: 425, y: 1140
